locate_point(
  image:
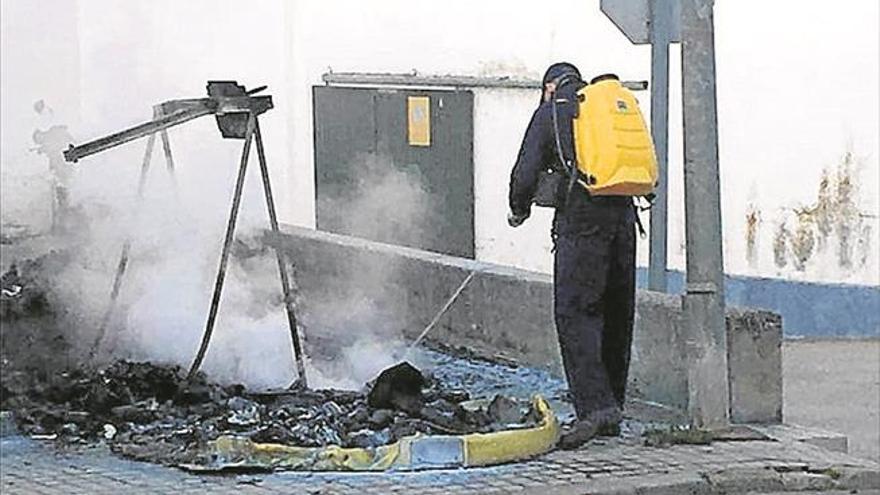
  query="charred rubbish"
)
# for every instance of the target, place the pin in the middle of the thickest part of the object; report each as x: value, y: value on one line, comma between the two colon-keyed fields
x: 152, y: 412
x: 33, y: 334
x: 398, y: 387
x: 24, y: 287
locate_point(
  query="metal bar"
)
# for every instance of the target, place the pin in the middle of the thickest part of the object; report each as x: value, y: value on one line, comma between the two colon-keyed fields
x: 221, y: 105
x: 74, y: 153
x: 177, y: 112
x: 169, y: 162
x: 661, y: 26
x: 635, y: 85
x: 166, y: 148
x: 123, y: 256
x: 224, y: 255
x: 282, y: 268
x: 410, y: 80
x: 158, y: 111
x: 241, y: 104
x: 442, y: 312
x: 703, y: 303
x: 419, y: 80
x: 172, y: 106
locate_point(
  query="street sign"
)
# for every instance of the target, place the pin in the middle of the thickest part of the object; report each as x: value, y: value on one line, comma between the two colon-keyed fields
x: 633, y: 18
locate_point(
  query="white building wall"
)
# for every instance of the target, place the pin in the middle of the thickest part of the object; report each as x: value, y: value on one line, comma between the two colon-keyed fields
x: 784, y: 115
x: 459, y: 38
x: 500, y: 118
x: 797, y: 87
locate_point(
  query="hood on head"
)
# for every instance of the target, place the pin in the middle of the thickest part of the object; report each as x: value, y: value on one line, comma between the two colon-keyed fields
x: 560, y: 70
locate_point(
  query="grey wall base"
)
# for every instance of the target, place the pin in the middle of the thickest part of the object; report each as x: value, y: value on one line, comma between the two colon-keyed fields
x: 507, y: 312
x: 810, y: 309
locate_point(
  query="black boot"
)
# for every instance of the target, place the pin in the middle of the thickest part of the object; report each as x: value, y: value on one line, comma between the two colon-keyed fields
x: 608, y: 422
x: 580, y: 433
x: 608, y: 430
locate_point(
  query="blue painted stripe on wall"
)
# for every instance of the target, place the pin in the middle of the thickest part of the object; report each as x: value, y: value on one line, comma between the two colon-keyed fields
x: 808, y: 309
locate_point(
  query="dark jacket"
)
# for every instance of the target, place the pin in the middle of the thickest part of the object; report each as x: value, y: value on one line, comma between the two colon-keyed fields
x: 539, y: 151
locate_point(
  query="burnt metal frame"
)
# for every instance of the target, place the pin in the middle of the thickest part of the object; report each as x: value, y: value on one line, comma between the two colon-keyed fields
x: 176, y: 112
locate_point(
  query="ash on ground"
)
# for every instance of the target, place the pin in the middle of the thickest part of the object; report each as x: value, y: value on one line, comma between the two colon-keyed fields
x: 33, y: 336
x: 150, y: 412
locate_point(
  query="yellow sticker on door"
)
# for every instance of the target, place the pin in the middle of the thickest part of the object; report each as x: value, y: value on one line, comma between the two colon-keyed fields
x: 418, y: 110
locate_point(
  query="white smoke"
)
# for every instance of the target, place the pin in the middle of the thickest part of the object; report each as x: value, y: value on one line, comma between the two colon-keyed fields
x: 176, y: 232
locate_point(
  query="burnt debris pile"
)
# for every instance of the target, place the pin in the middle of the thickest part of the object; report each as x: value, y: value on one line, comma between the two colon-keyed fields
x: 24, y: 287
x: 32, y: 328
x: 151, y: 412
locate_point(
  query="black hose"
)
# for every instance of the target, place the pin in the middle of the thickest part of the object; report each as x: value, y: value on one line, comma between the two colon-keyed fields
x: 566, y: 164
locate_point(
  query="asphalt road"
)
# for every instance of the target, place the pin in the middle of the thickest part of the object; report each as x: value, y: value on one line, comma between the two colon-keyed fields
x: 835, y: 385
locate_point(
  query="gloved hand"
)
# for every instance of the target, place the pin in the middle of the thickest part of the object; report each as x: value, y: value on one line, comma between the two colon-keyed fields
x: 515, y: 220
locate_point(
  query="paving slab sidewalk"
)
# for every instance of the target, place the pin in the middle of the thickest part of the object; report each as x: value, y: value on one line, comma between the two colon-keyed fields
x: 603, y: 467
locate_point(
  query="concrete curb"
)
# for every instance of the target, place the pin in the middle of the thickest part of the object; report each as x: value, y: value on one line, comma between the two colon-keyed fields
x: 790, y: 433
x: 666, y: 484
x: 730, y: 481
x: 771, y: 480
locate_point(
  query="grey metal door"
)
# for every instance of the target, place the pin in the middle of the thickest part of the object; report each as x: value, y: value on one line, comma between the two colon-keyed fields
x: 396, y: 166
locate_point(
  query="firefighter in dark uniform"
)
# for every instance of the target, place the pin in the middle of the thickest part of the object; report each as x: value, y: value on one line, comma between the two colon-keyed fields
x: 594, y: 265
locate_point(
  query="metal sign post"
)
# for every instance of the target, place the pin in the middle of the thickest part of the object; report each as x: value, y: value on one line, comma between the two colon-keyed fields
x: 690, y: 22
x: 704, y: 301
x: 663, y: 24
x: 656, y: 22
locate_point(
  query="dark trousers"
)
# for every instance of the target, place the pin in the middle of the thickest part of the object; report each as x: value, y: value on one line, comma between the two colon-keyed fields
x: 594, y: 292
